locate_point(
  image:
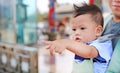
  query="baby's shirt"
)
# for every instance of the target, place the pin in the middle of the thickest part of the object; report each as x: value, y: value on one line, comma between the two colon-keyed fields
x: 101, y: 62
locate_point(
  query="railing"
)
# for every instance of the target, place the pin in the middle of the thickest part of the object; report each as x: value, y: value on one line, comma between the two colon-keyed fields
x: 18, y: 59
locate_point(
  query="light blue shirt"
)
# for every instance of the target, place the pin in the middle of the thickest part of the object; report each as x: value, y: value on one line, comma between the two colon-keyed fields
x: 101, y: 62
x: 105, y: 52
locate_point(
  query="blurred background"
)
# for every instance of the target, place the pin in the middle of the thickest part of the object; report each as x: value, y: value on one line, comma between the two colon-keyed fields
x: 24, y: 23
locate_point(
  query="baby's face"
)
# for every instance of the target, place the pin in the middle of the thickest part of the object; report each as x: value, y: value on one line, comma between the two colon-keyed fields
x: 84, y: 29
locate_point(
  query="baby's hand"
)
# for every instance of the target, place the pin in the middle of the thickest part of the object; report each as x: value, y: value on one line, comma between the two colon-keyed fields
x: 54, y: 46
x: 49, y: 46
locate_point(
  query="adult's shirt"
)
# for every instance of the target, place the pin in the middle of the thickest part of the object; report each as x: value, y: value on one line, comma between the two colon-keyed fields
x: 112, y: 28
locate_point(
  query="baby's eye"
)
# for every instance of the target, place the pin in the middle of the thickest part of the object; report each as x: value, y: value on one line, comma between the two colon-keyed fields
x: 82, y: 28
x: 74, y: 29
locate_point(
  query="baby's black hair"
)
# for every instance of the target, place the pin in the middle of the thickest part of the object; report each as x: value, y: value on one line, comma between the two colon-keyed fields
x: 89, y: 9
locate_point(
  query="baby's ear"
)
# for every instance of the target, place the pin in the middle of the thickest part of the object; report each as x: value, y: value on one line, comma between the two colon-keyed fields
x: 99, y: 30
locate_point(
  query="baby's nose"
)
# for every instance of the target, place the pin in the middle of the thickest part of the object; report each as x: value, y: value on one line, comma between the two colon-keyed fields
x: 77, y: 32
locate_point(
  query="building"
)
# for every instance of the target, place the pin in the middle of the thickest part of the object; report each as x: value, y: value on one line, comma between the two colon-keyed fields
x: 18, y: 21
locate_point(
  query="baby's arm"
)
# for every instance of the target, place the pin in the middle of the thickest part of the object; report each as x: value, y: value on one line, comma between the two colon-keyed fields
x: 78, y: 48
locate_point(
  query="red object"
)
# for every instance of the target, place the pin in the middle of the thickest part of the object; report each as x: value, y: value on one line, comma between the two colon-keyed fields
x: 91, y: 2
x: 51, y: 14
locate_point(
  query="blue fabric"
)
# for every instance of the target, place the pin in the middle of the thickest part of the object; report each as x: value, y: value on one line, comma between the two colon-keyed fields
x: 105, y: 52
x: 102, y: 60
x: 112, y: 28
x: 78, y: 59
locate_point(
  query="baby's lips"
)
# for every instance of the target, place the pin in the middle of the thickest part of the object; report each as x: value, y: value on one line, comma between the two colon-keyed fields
x: 77, y: 39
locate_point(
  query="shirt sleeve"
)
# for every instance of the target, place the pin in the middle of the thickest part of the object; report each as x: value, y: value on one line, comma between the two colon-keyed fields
x: 104, y: 50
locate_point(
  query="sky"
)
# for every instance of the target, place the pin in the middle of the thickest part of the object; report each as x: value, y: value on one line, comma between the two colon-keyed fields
x: 42, y: 5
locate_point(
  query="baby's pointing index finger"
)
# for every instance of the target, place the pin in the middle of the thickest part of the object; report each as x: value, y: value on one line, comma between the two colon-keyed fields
x: 46, y: 42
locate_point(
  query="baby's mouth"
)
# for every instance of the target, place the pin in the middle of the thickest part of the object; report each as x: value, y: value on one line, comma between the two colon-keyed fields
x: 77, y: 39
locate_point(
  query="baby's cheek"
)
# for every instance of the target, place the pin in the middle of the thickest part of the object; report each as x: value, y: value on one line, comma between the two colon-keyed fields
x: 71, y: 37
